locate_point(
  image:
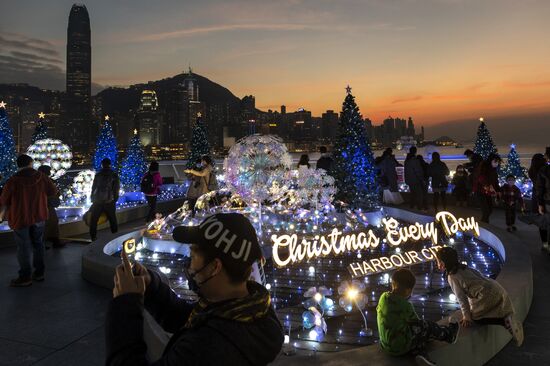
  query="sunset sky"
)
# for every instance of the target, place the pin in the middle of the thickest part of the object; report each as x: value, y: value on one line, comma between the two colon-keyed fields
x: 435, y: 60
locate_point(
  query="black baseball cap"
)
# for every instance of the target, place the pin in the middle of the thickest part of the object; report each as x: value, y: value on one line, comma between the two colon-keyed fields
x: 230, y: 235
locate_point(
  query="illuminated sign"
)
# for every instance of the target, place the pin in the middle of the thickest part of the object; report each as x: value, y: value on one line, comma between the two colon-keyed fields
x: 292, y: 248
x: 382, y: 264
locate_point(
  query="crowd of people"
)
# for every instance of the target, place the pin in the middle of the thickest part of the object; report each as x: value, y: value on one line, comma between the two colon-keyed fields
x: 474, y: 183
x: 234, y: 321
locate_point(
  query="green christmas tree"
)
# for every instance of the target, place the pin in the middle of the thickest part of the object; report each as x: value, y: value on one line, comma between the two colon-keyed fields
x: 106, y: 146
x: 513, y: 165
x: 355, y: 172
x: 8, y: 157
x: 40, y: 131
x: 199, y: 143
x: 133, y: 166
x: 484, y: 144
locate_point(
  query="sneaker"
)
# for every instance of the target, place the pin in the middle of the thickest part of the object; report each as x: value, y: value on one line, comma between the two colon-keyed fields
x: 514, y: 228
x: 37, y: 277
x: 423, y: 360
x: 545, y: 247
x: 455, y: 329
x: 509, y: 229
x: 20, y: 282
x: 515, y: 328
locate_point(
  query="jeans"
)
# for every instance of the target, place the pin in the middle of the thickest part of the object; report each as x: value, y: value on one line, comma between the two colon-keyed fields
x: 30, y: 239
x: 110, y: 210
x: 152, y: 201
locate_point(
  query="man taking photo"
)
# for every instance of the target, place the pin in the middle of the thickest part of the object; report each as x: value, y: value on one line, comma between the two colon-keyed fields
x: 233, y: 323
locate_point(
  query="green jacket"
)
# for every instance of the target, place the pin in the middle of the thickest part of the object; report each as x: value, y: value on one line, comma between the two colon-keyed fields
x: 393, y: 315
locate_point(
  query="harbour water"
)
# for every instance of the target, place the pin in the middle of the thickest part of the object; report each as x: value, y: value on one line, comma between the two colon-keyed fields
x: 452, y: 156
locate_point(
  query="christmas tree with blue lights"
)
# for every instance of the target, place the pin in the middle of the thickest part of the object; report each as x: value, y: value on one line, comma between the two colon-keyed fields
x: 40, y: 131
x: 484, y: 145
x: 105, y: 146
x: 513, y: 165
x: 8, y: 157
x: 355, y: 172
x: 199, y: 143
x: 133, y: 166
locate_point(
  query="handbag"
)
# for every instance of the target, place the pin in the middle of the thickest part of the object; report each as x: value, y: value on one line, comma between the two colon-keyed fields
x: 87, y: 217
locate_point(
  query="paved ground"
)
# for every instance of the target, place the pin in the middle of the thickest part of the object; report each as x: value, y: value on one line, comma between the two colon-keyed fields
x: 60, y: 321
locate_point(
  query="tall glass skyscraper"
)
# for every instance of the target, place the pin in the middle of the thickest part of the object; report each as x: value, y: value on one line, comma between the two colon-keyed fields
x: 79, y: 74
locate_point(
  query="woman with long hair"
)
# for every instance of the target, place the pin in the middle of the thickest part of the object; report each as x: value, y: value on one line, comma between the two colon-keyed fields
x: 486, y: 186
x: 482, y: 300
x: 199, y: 181
x: 304, y: 162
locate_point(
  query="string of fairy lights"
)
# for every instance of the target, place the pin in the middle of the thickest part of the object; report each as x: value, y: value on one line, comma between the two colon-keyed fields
x: 317, y: 302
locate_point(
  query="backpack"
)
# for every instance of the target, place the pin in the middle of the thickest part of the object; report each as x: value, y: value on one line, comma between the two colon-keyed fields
x: 103, y: 191
x: 147, y: 183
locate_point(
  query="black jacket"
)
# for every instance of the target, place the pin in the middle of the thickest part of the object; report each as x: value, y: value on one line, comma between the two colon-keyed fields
x: 105, y: 187
x: 209, y: 339
x: 438, y: 171
x: 414, y: 172
x: 325, y: 162
x: 542, y: 185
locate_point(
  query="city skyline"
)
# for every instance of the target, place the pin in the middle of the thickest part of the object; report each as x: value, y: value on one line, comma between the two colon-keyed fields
x: 433, y: 60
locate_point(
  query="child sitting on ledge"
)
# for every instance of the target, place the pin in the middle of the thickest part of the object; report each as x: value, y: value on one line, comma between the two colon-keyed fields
x: 401, y: 330
x: 482, y: 300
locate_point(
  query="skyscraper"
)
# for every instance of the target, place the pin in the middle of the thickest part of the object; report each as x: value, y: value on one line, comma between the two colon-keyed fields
x: 148, y: 118
x: 79, y: 74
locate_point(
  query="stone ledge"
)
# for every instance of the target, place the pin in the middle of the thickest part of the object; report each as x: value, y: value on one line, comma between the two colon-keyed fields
x: 78, y: 227
x: 475, y: 345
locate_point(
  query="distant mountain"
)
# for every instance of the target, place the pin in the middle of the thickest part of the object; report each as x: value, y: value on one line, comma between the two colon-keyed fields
x: 123, y: 99
x: 23, y: 92
x: 116, y: 99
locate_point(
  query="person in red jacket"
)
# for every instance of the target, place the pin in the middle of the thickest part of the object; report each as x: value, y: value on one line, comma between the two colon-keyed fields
x: 486, y: 186
x: 24, y: 202
x: 510, y: 196
x: 150, y: 185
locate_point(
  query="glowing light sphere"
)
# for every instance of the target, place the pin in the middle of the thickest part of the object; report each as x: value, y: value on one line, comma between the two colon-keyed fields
x: 257, y: 168
x: 81, y: 189
x: 53, y: 153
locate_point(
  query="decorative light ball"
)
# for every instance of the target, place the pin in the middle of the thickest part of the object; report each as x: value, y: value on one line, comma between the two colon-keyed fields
x: 53, y: 153
x: 257, y: 168
x: 81, y: 189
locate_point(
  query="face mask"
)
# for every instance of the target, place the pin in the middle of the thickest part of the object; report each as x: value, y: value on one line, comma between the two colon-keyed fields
x: 191, y: 282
